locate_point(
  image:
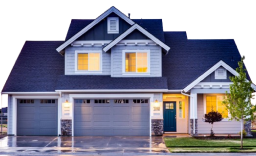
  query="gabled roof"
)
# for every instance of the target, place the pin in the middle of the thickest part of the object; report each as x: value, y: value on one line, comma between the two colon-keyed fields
x: 36, y: 68
x: 40, y: 69
x: 136, y: 27
x: 208, y: 72
x: 93, y: 23
x: 189, y: 59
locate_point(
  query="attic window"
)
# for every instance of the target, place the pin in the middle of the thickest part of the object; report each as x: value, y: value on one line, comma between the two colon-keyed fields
x: 221, y: 73
x: 113, y: 25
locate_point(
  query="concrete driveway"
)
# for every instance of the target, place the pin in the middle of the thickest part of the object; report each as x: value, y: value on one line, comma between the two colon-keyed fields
x: 81, y: 145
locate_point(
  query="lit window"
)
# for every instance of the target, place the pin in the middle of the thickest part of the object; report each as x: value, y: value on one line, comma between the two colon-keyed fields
x: 113, y: 25
x: 88, y: 61
x: 136, y: 62
x: 181, y: 109
x: 215, y: 103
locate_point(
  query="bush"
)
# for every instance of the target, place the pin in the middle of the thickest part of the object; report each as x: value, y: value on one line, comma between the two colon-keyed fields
x: 244, y: 133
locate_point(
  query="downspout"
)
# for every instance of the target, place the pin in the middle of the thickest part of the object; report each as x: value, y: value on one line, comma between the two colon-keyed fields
x: 194, y: 121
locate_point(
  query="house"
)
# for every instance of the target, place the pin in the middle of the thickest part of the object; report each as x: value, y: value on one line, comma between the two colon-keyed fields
x: 120, y: 76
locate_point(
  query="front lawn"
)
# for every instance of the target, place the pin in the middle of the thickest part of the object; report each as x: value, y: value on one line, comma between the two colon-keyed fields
x: 179, y: 145
x: 253, y: 131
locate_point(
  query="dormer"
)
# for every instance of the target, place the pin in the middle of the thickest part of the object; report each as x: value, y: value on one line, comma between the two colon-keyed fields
x: 115, y: 45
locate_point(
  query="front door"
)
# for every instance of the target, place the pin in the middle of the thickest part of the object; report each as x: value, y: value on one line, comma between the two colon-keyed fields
x: 170, y: 116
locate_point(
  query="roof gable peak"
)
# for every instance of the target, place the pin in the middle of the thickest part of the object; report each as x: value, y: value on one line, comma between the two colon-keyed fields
x: 93, y: 23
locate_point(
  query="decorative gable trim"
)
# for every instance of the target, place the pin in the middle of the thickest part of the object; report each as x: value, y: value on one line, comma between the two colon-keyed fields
x: 142, y: 30
x: 211, y: 70
x: 93, y: 23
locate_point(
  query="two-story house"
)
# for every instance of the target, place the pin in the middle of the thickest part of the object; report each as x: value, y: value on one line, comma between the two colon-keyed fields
x: 120, y: 76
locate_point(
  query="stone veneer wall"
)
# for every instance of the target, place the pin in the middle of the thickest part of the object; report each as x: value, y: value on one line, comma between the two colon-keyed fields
x: 191, y: 127
x: 157, y: 126
x: 66, y: 127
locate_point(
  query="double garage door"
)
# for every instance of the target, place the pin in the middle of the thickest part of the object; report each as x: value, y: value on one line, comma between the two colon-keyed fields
x: 104, y: 117
x: 92, y: 117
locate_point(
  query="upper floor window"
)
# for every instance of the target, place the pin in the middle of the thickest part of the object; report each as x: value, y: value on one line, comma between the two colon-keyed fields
x: 135, y: 61
x: 113, y: 25
x: 88, y: 61
x: 221, y: 73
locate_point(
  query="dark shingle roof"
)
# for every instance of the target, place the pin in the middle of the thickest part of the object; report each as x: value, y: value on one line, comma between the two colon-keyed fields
x: 189, y: 59
x: 36, y: 68
x: 153, y: 26
x: 75, y: 26
x: 39, y: 68
x: 69, y: 82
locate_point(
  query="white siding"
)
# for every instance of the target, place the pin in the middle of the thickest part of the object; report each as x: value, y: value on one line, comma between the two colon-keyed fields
x: 10, y: 116
x: 155, y: 60
x: 223, y: 127
x: 70, y: 60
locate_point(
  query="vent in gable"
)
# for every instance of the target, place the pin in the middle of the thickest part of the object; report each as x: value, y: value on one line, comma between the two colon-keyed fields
x: 221, y: 73
x: 113, y: 25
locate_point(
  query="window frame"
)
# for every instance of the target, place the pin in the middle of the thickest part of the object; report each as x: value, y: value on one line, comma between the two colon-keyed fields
x: 224, y: 119
x: 135, y: 51
x: 117, y: 25
x: 87, y: 52
x: 220, y: 77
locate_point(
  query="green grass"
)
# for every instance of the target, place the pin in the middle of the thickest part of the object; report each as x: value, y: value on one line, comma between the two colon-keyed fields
x: 254, y: 131
x: 213, y: 150
x: 193, y: 142
x: 196, y: 145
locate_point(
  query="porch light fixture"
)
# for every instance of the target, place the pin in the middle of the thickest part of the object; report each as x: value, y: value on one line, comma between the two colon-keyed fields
x: 156, y: 103
x: 66, y: 103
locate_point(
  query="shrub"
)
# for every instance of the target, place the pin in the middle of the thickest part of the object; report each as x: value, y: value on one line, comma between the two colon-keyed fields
x: 212, y: 117
x: 244, y: 133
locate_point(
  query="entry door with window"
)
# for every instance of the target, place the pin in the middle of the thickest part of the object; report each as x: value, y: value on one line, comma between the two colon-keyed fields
x: 170, y: 116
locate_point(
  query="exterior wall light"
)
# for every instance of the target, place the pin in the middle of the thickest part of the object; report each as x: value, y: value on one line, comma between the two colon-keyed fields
x: 66, y: 104
x: 156, y: 103
x: 66, y: 110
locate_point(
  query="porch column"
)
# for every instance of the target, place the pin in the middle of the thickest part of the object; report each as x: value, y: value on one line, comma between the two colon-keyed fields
x: 193, y: 113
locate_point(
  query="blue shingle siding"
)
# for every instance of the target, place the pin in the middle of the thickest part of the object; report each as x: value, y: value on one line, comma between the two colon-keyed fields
x: 36, y: 68
x: 70, y: 82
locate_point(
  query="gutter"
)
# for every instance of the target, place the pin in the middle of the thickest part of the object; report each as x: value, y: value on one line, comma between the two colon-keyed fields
x: 115, y: 90
x: 29, y: 93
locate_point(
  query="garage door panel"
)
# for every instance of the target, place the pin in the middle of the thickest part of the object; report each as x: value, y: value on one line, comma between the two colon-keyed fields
x: 121, y: 110
x: 27, y: 109
x: 121, y: 118
x: 101, y: 110
x: 47, y: 116
x: 116, y: 117
x: 37, y: 118
x: 27, y: 124
x: 83, y: 109
x: 124, y: 132
x: 101, y: 117
x: 98, y: 123
x: 121, y: 123
x: 82, y: 117
x: 139, y: 118
x: 139, y: 110
x: 140, y: 124
x: 27, y: 116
